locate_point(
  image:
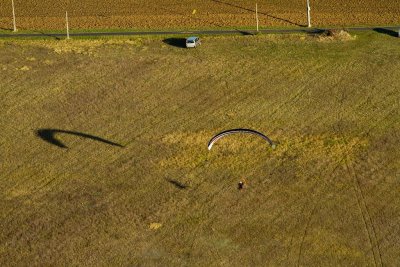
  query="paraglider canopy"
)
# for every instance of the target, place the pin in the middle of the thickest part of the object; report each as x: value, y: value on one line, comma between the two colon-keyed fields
x: 236, y: 131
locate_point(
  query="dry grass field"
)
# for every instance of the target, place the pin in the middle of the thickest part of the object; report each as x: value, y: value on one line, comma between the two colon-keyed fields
x: 144, y: 14
x: 104, y: 156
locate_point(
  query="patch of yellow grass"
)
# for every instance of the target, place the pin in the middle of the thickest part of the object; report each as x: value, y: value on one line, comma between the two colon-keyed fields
x: 25, y: 68
x: 16, y: 193
x: 193, y: 148
x: 85, y: 47
x: 48, y: 62
x: 319, y: 146
x: 155, y: 226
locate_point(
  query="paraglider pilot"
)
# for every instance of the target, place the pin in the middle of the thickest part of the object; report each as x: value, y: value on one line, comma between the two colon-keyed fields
x: 240, y: 185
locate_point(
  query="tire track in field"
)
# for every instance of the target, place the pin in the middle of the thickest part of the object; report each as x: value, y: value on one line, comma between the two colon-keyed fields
x: 356, y: 186
x: 295, y: 96
x: 182, y: 106
x: 366, y: 217
x: 391, y: 232
x: 163, y: 118
x: 316, y: 197
x: 360, y: 198
x: 344, y: 159
x: 316, y: 201
x: 213, y: 195
x: 237, y: 97
x: 306, y: 229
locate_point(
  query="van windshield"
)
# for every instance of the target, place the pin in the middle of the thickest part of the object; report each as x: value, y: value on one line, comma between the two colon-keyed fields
x: 190, y: 41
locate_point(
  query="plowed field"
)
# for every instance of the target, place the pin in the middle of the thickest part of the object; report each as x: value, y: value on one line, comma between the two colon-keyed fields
x: 141, y: 14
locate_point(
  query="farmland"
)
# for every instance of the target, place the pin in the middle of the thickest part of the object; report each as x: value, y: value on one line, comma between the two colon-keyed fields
x: 133, y: 182
x: 141, y: 14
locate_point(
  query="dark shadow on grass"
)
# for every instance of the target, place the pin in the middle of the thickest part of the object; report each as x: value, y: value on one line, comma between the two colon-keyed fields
x: 6, y: 29
x: 262, y: 13
x: 316, y: 32
x: 50, y: 35
x: 177, y: 42
x: 55, y: 36
x: 177, y: 184
x: 387, y: 32
x: 245, y: 32
x: 48, y: 135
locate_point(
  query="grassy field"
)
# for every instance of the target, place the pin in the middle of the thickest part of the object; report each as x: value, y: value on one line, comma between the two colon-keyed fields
x: 189, y: 14
x: 149, y: 193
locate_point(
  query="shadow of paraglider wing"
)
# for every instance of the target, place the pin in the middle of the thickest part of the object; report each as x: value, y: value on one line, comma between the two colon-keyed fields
x: 177, y: 184
x: 49, y: 135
